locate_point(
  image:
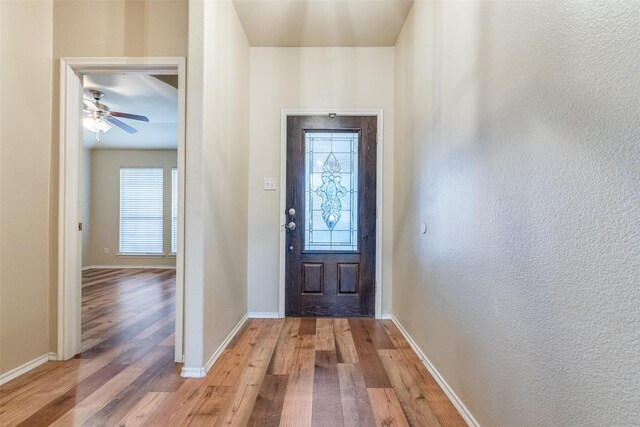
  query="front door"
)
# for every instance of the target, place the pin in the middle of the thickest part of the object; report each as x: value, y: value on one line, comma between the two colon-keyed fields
x: 331, y: 216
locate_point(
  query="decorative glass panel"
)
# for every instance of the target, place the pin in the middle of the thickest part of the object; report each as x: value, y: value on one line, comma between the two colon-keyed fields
x: 331, y: 191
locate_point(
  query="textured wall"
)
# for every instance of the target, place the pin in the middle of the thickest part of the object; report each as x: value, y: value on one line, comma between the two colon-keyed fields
x: 217, y: 178
x: 25, y: 85
x: 308, y: 78
x: 518, y: 144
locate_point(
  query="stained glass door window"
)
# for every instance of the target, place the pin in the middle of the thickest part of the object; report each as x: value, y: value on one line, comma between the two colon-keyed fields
x: 331, y: 191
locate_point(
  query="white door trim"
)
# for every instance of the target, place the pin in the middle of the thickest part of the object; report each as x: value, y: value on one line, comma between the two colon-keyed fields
x: 379, y: 195
x: 69, y: 239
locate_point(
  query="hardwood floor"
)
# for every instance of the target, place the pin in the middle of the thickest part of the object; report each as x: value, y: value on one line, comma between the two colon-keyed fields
x: 287, y: 372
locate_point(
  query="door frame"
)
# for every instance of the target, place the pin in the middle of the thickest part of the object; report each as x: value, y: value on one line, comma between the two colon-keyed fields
x: 69, y: 238
x: 285, y: 113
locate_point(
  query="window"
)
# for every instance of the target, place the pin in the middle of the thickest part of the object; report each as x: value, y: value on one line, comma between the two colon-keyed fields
x: 331, y: 191
x: 174, y: 211
x: 141, y: 211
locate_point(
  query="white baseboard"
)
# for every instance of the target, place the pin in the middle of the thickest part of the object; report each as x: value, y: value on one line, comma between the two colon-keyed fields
x: 462, y: 409
x: 263, y: 315
x: 387, y: 316
x: 193, y: 372
x: 23, y: 369
x: 201, y: 372
x: 224, y: 344
x: 161, y: 267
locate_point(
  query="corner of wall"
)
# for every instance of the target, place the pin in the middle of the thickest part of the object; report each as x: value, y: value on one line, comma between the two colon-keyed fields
x: 216, y: 272
x: 453, y: 397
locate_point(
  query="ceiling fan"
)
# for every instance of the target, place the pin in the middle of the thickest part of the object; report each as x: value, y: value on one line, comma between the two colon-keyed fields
x: 98, y: 117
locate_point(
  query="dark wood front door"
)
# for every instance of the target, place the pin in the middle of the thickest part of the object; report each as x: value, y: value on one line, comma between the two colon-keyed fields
x: 331, y: 216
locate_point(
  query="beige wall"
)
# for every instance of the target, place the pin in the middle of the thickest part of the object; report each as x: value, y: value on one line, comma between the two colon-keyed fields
x: 308, y: 78
x: 120, y: 28
x: 217, y: 151
x: 217, y: 172
x: 30, y: 137
x: 102, y: 28
x: 25, y: 126
x: 517, y: 143
x: 105, y: 204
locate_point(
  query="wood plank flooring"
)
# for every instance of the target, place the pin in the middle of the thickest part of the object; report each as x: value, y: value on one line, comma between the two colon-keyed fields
x: 275, y: 372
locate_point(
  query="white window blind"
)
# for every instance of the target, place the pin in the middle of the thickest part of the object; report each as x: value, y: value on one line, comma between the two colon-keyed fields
x: 141, y: 210
x: 174, y: 210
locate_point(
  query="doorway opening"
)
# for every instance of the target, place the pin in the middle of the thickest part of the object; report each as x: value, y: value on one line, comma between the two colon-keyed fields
x: 121, y: 223
x: 128, y: 209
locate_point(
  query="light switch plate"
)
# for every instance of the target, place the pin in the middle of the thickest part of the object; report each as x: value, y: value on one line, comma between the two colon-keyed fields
x: 270, y: 184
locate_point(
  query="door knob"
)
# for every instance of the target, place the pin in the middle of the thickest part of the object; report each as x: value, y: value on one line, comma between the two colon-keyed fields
x: 290, y: 226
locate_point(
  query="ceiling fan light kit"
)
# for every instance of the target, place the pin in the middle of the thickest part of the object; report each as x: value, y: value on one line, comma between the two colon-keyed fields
x: 95, y: 124
x: 99, y: 118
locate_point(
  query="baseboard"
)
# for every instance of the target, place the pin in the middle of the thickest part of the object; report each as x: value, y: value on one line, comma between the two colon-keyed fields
x: 161, y: 267
x: 462, y: 409
x: 201, y: 372
x: 193, y: 373
x: 23, y: 369
x: 263, y: 315
x: 387, y: 316
x: 224, y: 344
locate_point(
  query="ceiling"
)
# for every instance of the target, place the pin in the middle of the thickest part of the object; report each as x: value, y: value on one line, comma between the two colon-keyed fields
x: 153, y: 96
x: 322, y: 23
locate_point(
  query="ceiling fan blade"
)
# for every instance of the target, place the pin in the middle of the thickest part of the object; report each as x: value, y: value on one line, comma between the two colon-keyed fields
x: 125, y: 127
x: 129, y: 116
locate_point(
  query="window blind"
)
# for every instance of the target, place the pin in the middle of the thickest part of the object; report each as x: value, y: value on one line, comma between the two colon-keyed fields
x: 174, y: 210
x: 141, y: 210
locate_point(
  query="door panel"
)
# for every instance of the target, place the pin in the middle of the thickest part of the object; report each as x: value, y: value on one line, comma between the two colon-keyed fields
x: 331, y: 199
x: 348, y: 277
x: 312, y: 279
